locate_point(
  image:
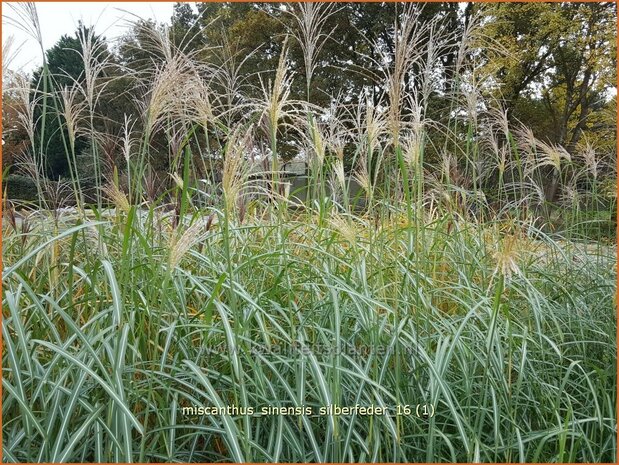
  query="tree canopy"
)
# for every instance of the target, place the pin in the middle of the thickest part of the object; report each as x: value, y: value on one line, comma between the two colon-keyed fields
x: 550, y: 66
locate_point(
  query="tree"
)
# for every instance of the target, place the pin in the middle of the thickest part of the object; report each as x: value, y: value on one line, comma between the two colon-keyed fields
x: 65, y: 70
x: 554, y: 63
x: 346, y: 63
x: 186, y: 31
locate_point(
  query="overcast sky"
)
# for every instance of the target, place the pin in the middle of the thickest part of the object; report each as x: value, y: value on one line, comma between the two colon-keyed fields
x: 58, y: 18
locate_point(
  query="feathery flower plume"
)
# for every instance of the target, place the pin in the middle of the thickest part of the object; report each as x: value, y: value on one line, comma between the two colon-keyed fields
x: 182, y: 243
x: 507, y: 256
x: 117, y: 197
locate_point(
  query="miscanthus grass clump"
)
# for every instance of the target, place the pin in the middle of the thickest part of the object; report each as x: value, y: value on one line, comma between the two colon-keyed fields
x: 112, y: 327
x: 436, y: 291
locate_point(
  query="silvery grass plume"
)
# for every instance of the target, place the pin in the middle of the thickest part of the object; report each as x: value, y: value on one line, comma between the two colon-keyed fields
x: 9, y: 52
x: 27, y: 20
x: 507, y: 256
x: 343, y: 225
x: 416, y: 44
x: 541, y: 153
x: 275, y: 96
x: 408, y: 50
x: 412, y: 145
x: 176, y: 133
x: 310, y: 19
x: 235, y: 167
x: 471, y: 92
x: 338, y: 135
x: 276, y: 108
x: 127, y: 140
x: 587, y: 152
x: 200, y: 103
x: 228, y: 76
x: 10, y: 80
x: 536, y: 195
x: 515, y: 199
x: 25, y: 17
x: 328, y: 135
x: 117, y: 197
x: 108, y: 145
x: 72, y: 112
x: 317, y: 143
x: 26, y: 164
x: 127, y: 145
x: 447, y: 186
x: 571, y: 196
x: 26, y: 101
x: 177, y: 180
x: 158, y: 39
x: 499, y: 153
x: 439, y: 41
x: 526, y: 143
x: 449, y: 166
x: 362, y: 177
x: 170, y: 82
x: 472, y: 38
x: 95, y: 61
x: 413, y: 134
x: 371, y: 124
x: 213, y: 93
x: 369, y: 128
x: 182, y: 242
x: 552, y: 155
x: 499, y: 120
x: 338, y: 169
x: 165, y: 96
x: 152, y: 185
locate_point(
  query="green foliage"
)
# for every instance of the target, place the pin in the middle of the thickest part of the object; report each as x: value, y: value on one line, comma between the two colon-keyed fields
x: 20, y: 187
x: 517, y: 367
x: 440, y: 254
x: 555, y: 65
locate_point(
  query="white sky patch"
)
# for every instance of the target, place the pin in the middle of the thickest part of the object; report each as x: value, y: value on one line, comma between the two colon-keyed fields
x: 110, y: 19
